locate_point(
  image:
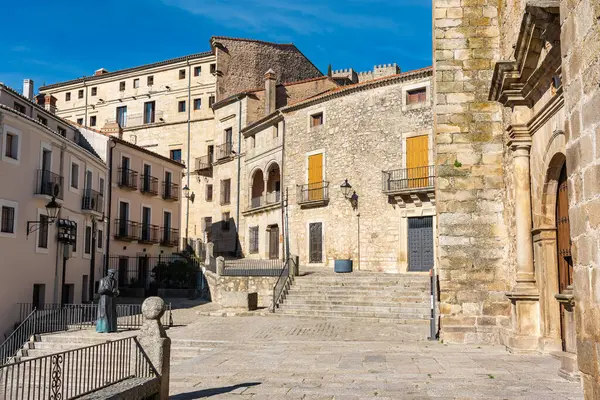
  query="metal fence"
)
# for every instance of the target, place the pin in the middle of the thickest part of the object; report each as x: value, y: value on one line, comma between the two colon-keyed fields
x: 48, y: 183
x: 283, y: 283
x: 408, y: 178
x: 57, y: 318
x: 75, y: 373
x: 252, y: 267
x: 317, y: 191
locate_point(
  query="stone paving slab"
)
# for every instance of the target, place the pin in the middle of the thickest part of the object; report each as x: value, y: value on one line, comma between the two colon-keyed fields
x: 266, y: 357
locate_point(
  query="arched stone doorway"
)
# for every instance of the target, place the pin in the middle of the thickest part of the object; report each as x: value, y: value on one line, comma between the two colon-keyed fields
x: 273, y: 184
x: 257, y: 189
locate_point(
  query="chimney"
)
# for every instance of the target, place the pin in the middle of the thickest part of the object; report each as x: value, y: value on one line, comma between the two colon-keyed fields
x: 28, y: 88
x: 47, y: 101
x: 270, y: 91
x: 100, y: 71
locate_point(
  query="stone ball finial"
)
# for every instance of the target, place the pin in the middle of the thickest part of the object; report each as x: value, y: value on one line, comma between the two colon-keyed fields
x: 153, y: 308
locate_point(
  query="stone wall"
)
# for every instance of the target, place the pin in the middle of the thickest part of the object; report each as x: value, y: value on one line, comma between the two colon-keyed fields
x: 243, y: 63
x: 580, y: 44
x: 262, y: 285
x: 472, y: 232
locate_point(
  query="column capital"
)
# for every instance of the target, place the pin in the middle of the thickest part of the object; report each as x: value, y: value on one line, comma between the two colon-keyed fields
x: 520, y: 139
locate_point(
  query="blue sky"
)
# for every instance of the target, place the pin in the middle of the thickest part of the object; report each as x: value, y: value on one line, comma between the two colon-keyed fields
x: 67, y: 39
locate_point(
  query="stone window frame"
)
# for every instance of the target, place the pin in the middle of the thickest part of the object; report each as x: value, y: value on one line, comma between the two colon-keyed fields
x: 426, y: 210
x: 76, y: 161
x: 324, y: 165
x: 430, y: 144
x: 323, y: 241
x: 309, y: 115
x: 14, y: 205
x: 42, y: 250
x: 9, y: 130
x: 412, y: 86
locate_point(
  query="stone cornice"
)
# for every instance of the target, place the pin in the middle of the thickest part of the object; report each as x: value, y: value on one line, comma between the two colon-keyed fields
x: 520, y: 136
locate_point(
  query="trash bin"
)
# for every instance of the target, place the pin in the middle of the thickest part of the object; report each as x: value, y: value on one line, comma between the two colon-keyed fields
x: 342, y: 266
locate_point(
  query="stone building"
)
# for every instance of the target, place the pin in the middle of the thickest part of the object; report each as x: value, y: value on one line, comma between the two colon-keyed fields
x: 516, y: 88
x: 166, y: 106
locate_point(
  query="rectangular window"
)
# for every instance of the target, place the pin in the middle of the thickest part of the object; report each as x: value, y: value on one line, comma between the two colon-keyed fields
x: 211, y: 101
x: 101, y: 186
x: 74, y: 176
x: 226, y: 222
x: 150, y: 80
x: 80, y: 121
x: 197, y: 104
x: 316, y: 119
x: 176, y: 155
x: 225, y: 191
x: 80, y: 94
x: 8, y: 220
x: 12, y: 146
x: 253, y: 239
x: 61, y: 131
x: 68, y: 96
x: 207, y: 224
x: 149, y: 112
x: 181, y: 106
x: 211, y: 154
x: 416, y: 96
x: 166, y: 220
x: 20, y: 108
x: 121, y: 86
x: 122, y: 116
x: 197, y: 71
x: 42, y: 120
x: 87, y: 248
x: 209, y: 192
x: 229, y: 135
x: 75, y: 238
x: 94, y: 91
x: 100, y: 238
x: 136, y: 83
x: 93, y: 120
x: 43, y: 232
x: 182, y: 74
x: 213, y: 68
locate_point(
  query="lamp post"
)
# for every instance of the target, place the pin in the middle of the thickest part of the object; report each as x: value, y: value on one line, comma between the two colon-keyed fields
x: 346, y: 188
x: 52, y: 209
x: 190, y: 196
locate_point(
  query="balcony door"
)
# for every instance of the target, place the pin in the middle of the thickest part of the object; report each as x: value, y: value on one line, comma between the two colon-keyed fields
x: 315, y: 177
x: 47, y: 184
x: 417, y: 161
x: 146, y: 220
x: 123, y: 218
x: 167, y: 226
x: 122, y: 116
x: 147, y: 175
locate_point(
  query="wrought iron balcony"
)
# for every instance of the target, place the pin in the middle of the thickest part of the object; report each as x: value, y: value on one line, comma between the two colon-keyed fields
x: 169, y: 237
x: 407, y: 180
x: 263, y: 201
x: 170, y: 191
x: 313, y: 194
x: 224, y: 150
x: 204, y: 166
x: 128, y: 178
x: 49, y: 184
x: 149, y: 185
x: 149, y: 233
x: 127, y: 230
x: 92, y: 201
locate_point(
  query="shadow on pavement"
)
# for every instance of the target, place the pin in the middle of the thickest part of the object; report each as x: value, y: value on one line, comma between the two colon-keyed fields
x: 201, y: 394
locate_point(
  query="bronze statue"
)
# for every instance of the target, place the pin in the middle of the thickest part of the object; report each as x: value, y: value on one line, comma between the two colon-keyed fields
x: 107, y: 306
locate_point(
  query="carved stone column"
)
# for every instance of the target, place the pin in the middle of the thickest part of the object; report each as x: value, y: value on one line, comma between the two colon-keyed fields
x: 525, y: 295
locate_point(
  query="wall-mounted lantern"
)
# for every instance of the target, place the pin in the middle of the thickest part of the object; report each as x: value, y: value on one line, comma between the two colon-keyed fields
x: 346, y: 189
x: 187, y: 194
x: 52, y: 209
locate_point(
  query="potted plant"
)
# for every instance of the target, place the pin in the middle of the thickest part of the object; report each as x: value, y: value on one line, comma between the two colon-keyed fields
x: 343, y: 264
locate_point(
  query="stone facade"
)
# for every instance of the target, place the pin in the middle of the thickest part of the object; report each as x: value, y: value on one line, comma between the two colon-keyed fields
x: 262, y: 285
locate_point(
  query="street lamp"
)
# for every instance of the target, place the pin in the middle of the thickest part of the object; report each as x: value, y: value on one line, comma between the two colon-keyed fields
x: 52, y: 209
x: 187, y: 194
x: 346, y: 188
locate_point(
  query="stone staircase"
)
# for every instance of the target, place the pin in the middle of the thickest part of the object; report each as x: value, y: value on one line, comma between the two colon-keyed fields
x: 402, y: 299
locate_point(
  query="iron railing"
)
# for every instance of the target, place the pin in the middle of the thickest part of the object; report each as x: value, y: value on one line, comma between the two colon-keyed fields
x: 270, y: 198
x: 127, y: 230
x: 224, y: 150
x: 149, y: 185
x: 170, y: 191
x: 57, y: 318
x: 406, y: 179
x: 49, y: 184
x: 282, y: 285
x: 203, y: 163
x: 169, y: 237
x: 149, y: 233
x: 74, y: 373
x: 128, y: 178
x: 313, y: 192
x: 92, y: 201
x: 252, y: 267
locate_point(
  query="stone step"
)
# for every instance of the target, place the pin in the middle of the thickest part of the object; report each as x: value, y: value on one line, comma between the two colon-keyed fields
x: 359, y: 301
x: 384, y: 296
x: 353, y: 314
x: 420, y: 309
x: 384, y: 284
x: 367, y: 277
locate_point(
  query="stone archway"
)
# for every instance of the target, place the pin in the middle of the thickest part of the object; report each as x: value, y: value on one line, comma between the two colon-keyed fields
x: 257, y: 188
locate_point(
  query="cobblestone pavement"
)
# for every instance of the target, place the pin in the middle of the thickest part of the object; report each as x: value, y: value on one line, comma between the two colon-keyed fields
x: 277, y: 357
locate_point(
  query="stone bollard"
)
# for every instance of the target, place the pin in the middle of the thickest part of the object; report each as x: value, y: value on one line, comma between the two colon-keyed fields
x: 220, y: 266
x: 296, y: 266
x: 209, y: 252
x: 155, y: 342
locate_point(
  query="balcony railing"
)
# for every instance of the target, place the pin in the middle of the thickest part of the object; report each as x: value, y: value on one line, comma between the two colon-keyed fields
x: 169, y: 237
x: 49, y: 184
x: 149, y: 233
x: 149, y: 185
x: 170, y: 191
x: 224, y: 150
x: 127, y: 230
x: 408, y: 179
x: 137, y: 119
x: 128, y: 178
x: 313, y: 193
x: 271, y: 198
x: 204, y: 165
x: 92, y: 201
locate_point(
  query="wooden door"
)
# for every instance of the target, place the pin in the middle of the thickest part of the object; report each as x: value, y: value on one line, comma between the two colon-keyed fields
x: 420, y: 243
x: 315, y: 177
x: 315, y: 242
x: 274, y: 242
x: 417, y: 161
x: 563, y: 243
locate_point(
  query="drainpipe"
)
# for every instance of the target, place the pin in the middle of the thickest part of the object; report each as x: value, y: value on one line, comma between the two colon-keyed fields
x: 188, y: 167
x: 239, y: 171
x: 111, y: 145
